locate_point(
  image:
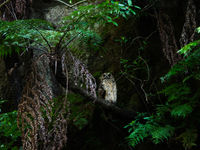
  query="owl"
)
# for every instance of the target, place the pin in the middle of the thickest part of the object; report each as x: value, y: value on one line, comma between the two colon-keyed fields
x: 107, y: 88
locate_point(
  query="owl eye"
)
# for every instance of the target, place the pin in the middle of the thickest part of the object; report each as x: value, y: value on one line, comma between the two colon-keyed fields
x: 107, y: 75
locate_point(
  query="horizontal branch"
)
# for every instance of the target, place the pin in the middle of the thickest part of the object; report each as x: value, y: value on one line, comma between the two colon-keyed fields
x: 112, y: 108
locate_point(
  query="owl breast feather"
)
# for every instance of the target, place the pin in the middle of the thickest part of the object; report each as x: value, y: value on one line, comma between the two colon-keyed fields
x: 111, y: 90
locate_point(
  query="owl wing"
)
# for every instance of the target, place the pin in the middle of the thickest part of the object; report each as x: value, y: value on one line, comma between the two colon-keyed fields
x: 101, y: 91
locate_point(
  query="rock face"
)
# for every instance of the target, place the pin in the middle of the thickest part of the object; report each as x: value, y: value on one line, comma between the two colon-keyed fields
x: 56, y: 13
x: 50, y: 11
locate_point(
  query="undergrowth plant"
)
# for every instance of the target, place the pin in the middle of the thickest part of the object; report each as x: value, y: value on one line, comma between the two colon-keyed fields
x: 93, y: 21
x: 81, y: 111
x: 9, y: 132
x: 22, y: 34
x: 176, y: 119
x: 43, y: 124
x: 84, y: 24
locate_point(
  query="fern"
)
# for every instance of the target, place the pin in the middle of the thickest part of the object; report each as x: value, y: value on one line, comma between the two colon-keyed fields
x: 9, y: 131
x: 151, y: 129
x: 189, y: 47
x: 90, y: 21
x: 181, y: 105
x: 160, y: 133
x: 21, y: 34
x: 188, y: 138
x: 138, y: 135
x: 80, y: 110
x: 162, y: 109
x: 176, y: 91
x: 181, y: 110
x: 106, y: 12
x: 189, y: 67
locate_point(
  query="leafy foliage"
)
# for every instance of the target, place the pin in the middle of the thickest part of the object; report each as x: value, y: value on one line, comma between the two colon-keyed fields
x: 106, y: 12
x: 132, y: 69
x: 41, y: 119
x: 188, y: 138
x: 176, y: 91
x: 187, y: 48
x: 89, y: 22
x: 21, y: 34
x: 181, y: 106
x: 9, y: 132
x: 139, y: 131
x: 181, y: 110
x: 81, y: 112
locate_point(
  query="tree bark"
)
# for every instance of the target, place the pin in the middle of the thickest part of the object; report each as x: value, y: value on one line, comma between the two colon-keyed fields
x: 15, y: 9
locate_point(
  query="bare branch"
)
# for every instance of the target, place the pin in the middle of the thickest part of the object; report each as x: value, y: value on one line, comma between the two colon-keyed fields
x: 68, y: 5
x: 71, y: 6
x: 4, y: 3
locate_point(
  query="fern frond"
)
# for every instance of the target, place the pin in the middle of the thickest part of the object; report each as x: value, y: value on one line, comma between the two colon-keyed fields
x: 176, y: 91
x: 160, y: 134
x: 18, y: 35
x: 181, y: 110
x: 188, y: 138
x: 138, y: 135
x: 189, y: 47
x: 162, y: 109
x: 187, y: 65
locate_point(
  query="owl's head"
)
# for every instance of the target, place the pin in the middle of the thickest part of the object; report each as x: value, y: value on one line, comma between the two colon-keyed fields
x: 106, y: 75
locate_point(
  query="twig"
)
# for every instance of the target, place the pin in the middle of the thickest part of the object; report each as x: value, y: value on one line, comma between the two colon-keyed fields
x: 148, y: 6
x: 79, y: 3
x: 43, y: 37
x: 4, y: 3
x: 14, y: 16
x: 13, y: 11
x: 141, y: 37
x: 68, y: 42
x: 68, y: 5
x: 71, y: 6
x: 148, y: 70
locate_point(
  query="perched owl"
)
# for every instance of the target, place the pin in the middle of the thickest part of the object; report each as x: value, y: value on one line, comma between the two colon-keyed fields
x: 107, y: 88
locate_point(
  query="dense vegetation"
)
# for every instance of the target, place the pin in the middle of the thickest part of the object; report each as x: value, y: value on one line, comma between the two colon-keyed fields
x: 167, y: 115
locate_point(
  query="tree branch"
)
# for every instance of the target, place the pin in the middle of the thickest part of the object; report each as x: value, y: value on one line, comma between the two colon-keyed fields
x: 71, y: 6
x: 125, y: 114
x: 4, y: 3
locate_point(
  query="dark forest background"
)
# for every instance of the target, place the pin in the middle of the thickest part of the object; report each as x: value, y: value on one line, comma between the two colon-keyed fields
x: 53, y: 53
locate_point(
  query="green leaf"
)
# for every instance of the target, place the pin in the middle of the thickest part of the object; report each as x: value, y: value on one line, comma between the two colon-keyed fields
x: 130, y: 3
x: 181, y: 110
x: 132, y: 11
x: 115, y: 23
x: 162, y: 133
x: 187, y: 48
x: 188, y: 138
x: 198, y: 30
x: 137, y: 7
